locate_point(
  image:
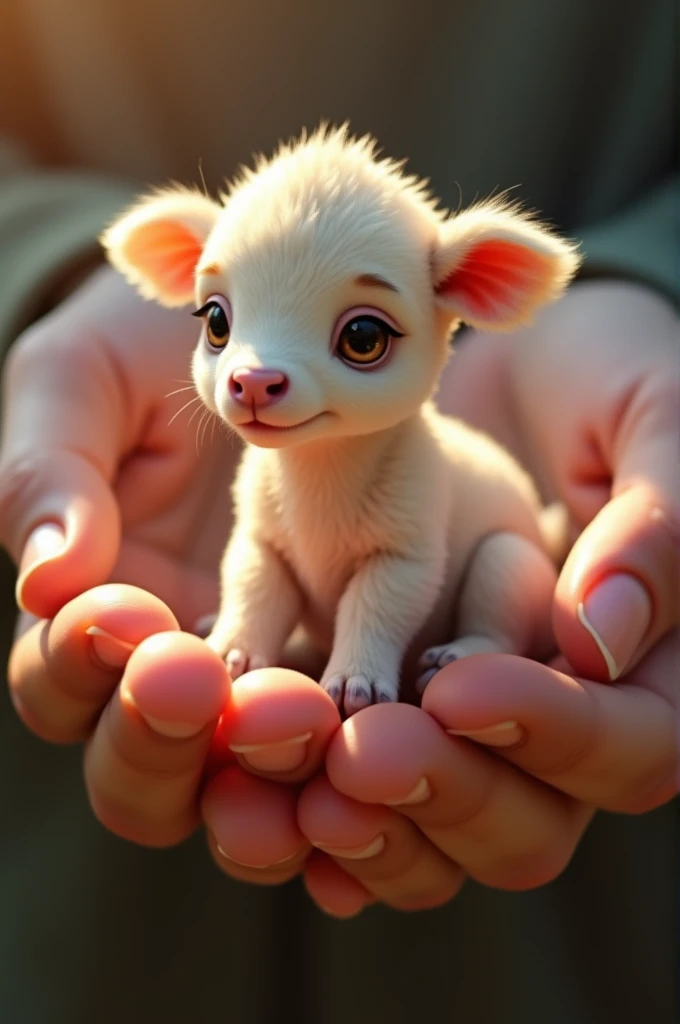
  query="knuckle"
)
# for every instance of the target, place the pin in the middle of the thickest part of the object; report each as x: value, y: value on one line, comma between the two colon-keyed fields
x: 430, y: 899
x: 137, y: 827
x: 469, y: 812
x: 44, y: 728
x: 30, y: 348
x: 23, y: 353
x: 530, y: 870
x: 48, y: 724
x: 543, y: 854
x: 654, y: 788
x: 164, y: 761
x: 43, y: 705
x: 146, y: 756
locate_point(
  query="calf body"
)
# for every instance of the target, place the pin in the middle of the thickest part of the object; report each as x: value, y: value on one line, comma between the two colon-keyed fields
x: 329, y: 284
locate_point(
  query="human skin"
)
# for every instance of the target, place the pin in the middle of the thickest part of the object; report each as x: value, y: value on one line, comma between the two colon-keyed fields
x: 588, y: 398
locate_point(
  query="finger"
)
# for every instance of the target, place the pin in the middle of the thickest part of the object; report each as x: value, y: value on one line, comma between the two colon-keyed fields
x: 144, y: 762
x: 614, y: 747
x: 332, y: 889
x: 62, y: 672
x: 63, y: 428
x: 501, y: 827
x: 252, y: 827
x: 618, y: 592
x: 278, y: 724
x: 378, y: 847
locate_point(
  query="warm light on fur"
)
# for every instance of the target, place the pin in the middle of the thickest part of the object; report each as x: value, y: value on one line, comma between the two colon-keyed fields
x: 358, y: 507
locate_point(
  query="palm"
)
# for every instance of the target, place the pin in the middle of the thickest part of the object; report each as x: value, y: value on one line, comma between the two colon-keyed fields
x: 592, y: 413
x: 174, y: 552
x: 173, y: 466
x: 134, y: 413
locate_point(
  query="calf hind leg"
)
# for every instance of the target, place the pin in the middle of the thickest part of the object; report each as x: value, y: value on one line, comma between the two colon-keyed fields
x: 504, y: 606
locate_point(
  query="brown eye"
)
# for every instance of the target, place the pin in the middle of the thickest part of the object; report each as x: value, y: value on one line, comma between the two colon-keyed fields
x: 216, y: 324
x: 364, y: 340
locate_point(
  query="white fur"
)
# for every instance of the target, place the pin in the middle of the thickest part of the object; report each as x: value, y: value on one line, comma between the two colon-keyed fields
x: 378, y: 525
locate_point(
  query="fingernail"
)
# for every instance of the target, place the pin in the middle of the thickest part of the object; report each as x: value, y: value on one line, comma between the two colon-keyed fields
x: 616, y: 613
x: 47, y: 541
x: 506, y: 734
x: 258, y: 867
x: 173, y: 730
x: 111, y: 651
x: 354, y: 852
x: 418, y: 795
x: 275, y: 757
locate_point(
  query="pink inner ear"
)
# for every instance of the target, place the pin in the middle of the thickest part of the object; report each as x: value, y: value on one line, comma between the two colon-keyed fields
x: 496, y: 276
x: 168, y: 252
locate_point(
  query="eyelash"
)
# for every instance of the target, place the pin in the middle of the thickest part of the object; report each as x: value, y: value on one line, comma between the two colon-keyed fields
x: 367, y: 311
x: 215, y: 302
x: 220, y: 301
x: 346, y: 318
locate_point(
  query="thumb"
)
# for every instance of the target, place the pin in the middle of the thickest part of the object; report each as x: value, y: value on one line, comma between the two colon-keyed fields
x: 619, y: 591
x: 60, y: 523
x: 61, y: 438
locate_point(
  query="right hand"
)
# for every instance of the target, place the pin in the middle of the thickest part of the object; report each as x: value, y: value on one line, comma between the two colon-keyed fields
x: 95, y: 445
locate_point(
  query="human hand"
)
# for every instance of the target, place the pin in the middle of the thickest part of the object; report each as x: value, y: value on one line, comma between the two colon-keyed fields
x: 100, y: 458
x: 593, y: 411
x: 97, y: 484
x: 131, y: 516
x: 589, y: 399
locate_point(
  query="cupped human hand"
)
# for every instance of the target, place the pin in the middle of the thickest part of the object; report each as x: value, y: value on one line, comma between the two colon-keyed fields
x: 116, y: 509
x: 496, y: 777
x: 103, y: 474
x: 589, y: 399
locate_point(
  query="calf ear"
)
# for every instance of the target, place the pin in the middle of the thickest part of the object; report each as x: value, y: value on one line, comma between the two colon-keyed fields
x: 158, y: 242
x: 495, y: 266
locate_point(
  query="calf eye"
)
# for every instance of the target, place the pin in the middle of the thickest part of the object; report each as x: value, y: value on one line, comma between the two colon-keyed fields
x: 365, y: 340
x: 216, y: 323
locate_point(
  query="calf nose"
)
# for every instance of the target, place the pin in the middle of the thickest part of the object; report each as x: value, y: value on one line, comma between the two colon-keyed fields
x: 257, y: 387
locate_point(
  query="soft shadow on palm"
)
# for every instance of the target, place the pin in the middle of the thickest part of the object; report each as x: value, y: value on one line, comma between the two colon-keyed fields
x: 175, y: 552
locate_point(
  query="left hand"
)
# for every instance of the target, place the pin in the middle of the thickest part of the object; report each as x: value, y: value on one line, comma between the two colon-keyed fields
x: 588, y: 398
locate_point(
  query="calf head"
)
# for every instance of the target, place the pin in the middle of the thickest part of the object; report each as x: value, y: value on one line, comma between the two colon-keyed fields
x: 328, y: 283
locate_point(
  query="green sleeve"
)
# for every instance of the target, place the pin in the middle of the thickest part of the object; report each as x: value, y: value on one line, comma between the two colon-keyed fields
x: 640, y: 243
x: 49, y: 222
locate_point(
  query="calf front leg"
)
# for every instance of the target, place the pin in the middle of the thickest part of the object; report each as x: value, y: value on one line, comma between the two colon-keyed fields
x: 380, y: 612
x: 260, y: 605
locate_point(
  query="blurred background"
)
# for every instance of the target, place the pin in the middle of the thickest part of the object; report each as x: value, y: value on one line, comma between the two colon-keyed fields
x: 546, y: 97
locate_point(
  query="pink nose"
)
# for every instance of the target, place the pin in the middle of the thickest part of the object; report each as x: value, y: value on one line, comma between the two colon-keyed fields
x: 257, y: 387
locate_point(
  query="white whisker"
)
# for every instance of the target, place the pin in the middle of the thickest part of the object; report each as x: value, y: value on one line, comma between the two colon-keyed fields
x: 200, y: 429
x: 179, y: 391
x: 196, y: 410
x: 185, y: 406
